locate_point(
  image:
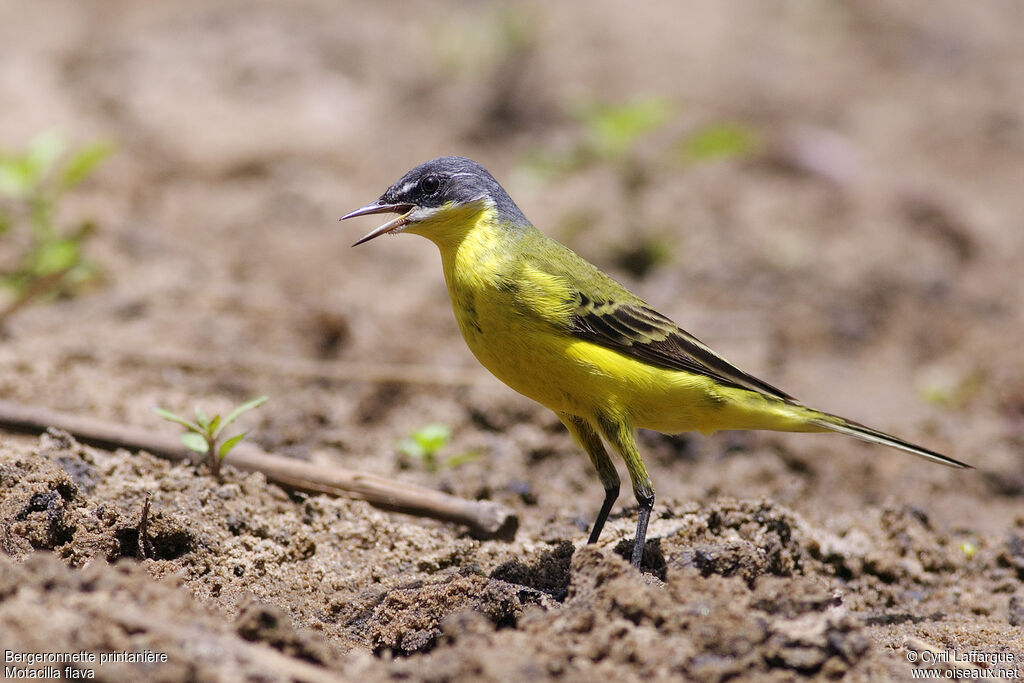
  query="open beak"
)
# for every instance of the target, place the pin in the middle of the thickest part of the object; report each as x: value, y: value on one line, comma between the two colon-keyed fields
x: 377, y: 207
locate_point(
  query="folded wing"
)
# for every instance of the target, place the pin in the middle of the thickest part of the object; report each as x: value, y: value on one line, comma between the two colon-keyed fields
x: 639, y: 331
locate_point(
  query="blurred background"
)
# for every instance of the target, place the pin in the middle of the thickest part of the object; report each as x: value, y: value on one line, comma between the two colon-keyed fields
x: 829, y: 194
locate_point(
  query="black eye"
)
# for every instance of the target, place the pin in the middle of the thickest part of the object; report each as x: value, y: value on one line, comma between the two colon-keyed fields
x: 430, y: 185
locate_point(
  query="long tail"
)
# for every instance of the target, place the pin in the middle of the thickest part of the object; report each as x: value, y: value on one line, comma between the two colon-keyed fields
x: 834, y: 423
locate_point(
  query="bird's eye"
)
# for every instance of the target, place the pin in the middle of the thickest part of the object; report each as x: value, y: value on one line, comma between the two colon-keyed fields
x: 430, y: 185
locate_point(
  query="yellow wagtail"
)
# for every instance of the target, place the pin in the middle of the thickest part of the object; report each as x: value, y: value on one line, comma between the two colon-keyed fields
x: 558, y: 330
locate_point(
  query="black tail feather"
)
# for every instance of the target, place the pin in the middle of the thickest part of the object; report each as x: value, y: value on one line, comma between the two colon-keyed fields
x: 843, y: 426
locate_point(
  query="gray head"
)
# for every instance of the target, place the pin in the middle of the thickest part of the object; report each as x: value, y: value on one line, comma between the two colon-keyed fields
x: 437, y: 186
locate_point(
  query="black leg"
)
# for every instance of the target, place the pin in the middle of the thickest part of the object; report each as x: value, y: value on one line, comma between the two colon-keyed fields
x: 610, y: 494
x: 620, y: 434
x: 589, y: 441
x: 645, y: 505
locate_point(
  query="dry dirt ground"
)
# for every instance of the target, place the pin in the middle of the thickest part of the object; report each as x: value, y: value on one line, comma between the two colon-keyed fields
x: 864, y: 255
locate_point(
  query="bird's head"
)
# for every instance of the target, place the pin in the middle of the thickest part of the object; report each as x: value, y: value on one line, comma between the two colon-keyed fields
x: 438, y: 194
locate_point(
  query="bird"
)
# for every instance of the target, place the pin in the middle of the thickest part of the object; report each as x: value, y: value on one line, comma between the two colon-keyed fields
x: 555, y: 328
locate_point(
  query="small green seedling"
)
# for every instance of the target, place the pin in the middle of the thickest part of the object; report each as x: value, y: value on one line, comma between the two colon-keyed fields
x: 614, y: 130
x: 203, y: 435
x: 723, y: 140
x: 46, y: 257
x: 425, y: 443
x: 608, y: 134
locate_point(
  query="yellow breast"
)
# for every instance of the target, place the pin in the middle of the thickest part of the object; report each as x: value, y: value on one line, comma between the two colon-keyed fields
x: 514, y: 317
x: 501, y: 317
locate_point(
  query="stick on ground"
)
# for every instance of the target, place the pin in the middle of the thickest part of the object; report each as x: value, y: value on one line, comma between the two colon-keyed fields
x: 485, y: 519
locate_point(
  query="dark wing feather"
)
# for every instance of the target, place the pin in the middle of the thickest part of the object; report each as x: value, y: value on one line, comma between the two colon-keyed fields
x: 641, y: 332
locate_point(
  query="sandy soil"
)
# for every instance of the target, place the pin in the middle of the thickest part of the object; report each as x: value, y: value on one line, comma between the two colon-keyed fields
x: 864, y: 256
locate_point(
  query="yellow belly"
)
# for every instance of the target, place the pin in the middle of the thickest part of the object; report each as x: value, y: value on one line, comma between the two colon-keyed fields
x: 578, y: 377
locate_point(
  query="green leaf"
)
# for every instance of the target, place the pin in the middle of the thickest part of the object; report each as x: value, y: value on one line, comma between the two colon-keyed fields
x: 55, y: 255
x: 461, y: 458
x: 171, y: 417
x: 195, y: 442
x: 11, y: 182
x: 614, y: 129
x: 226, y: 447
x: 432, y: 437
x: 719, y: 141
x: 203, y: 421
x: 16, y: 177
x: 212, y: 427
x: 249, y: 405
x: 83, y: 163
x: 411, y: 447
x: 43, y: 152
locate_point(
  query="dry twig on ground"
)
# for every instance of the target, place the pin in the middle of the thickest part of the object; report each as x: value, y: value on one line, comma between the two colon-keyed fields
x: 485, y: 519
